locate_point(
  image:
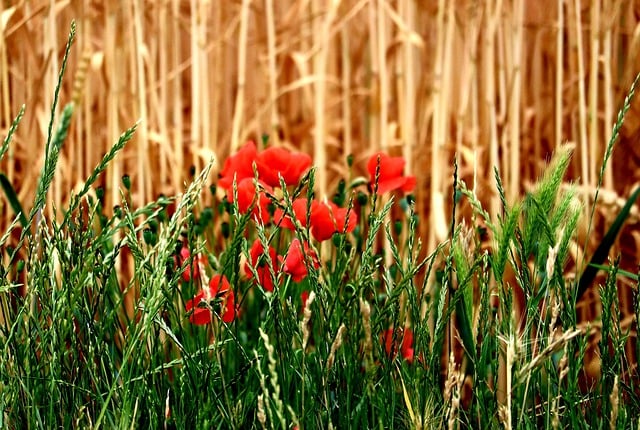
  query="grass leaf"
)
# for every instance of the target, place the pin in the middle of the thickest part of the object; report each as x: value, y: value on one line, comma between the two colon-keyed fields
x: 602, y: 251
x: 10, y: 192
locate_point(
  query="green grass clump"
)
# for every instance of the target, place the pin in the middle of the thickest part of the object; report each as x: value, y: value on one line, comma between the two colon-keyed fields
x: 167, y: 315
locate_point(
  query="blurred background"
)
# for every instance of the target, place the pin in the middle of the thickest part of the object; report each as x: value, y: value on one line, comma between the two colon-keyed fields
x: 491, y: 83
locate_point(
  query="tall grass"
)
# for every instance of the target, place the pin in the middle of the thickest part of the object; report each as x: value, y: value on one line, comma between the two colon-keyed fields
x: 470, y: 333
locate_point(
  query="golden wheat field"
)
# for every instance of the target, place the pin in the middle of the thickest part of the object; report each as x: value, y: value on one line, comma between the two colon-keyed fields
x: 488, y: 83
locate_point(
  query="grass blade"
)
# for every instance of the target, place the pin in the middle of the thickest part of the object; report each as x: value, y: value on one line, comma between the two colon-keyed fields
x: 70, y: 39
x: 602, y: 251
x: 51, y: 161
x: 10, y: 192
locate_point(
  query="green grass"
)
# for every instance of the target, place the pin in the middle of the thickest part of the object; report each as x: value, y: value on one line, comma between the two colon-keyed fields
x: 94, y: 330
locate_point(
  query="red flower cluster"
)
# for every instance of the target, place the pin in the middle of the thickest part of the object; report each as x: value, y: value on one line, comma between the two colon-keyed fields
x: 271, y: 164
x: 326, y: 218
x: 401, y: 339
x: 390, y: 175
x: 255, y: 175
x: 220, y: 289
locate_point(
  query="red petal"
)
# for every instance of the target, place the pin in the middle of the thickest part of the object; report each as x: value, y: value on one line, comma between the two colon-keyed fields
x: 194, y: 302
x: 247, y: 192
x: 275, y: 161
x: 299, y: 207
x: 201, y: 316
x: 410, y: 184
x: 389, y: 184
x: 300, y: 163
x: 328, y: 218
x: 261, y: 265
x: 218, y: 285
x: 387, y: 338
x: 238, y: 165
x: 403, y: 341
x: 389, y: 166
x: 229, y: 307
x: 323, y: 224
x: 294, y: 262
x: 390, y: 176
x: 281, y: 220
x: 264, y: 278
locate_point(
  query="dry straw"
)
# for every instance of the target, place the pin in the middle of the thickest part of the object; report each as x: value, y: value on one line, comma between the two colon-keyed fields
x: 500, y: 82
x: 365, y: 310
x: 421, y: 79
x: 614, y: 399
x: 337, y: 343
x: 306, y: 317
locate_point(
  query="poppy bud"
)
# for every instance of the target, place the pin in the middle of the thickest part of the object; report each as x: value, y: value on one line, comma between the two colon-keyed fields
x: 126, y: 181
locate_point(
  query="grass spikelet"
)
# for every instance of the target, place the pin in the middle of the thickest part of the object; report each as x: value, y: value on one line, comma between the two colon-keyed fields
x: 12, y: 129
x: 260, y: 413
x: 452, y: 392
x: 273, y: 379
x: 553, y: 346
x: 365, y: 311
x: 614, y: 399
x: 337, y: 343
x: 263, y: 411
x: 304, y: 325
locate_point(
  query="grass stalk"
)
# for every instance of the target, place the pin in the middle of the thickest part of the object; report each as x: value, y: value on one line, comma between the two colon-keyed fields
x: 241, y: 76
x: 559, y: 74
x: 515, y: 86
x: 272, y: 71
x: 144, y: 181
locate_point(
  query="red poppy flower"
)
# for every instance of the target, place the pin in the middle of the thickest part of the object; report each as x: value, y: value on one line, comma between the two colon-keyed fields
x: 274, y: 162
x: 259, y: 261
x: 299, y: 207
x: 192, y: 271
x: 238, y: 166
x: 294, y: 262
x: 246, y: 194
x: 391, y: 174
x: 218, y: 288
x: 328, y: 218
x: 398, y: 339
